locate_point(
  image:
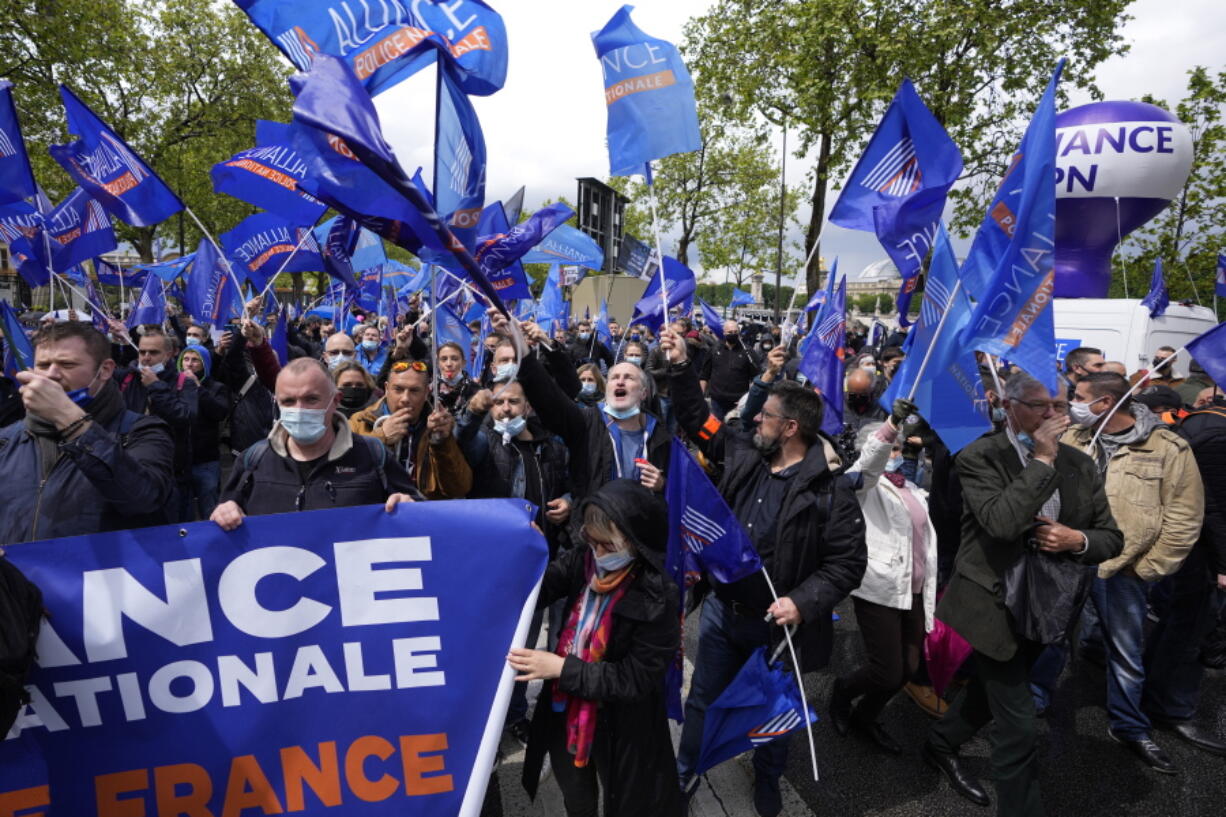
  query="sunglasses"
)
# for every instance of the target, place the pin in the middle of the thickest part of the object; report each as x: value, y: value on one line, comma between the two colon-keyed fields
x: 405, y: 365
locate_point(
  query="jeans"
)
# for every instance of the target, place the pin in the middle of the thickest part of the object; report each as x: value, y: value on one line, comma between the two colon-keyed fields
x: 200, y: 491
x: 999, y: 693
x: 725, y: 642
x: 1121, y: 608
x: 720, y: 409
x: 1172, y: 660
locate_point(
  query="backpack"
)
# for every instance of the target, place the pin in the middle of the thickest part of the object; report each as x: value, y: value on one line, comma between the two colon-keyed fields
x: 252, y: 456
x: 21, y: 613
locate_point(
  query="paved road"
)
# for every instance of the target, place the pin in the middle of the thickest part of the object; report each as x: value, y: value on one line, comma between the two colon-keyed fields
x: 1083, y: 773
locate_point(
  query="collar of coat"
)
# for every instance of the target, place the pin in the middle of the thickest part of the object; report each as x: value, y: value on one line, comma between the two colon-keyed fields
x: 278, y: 438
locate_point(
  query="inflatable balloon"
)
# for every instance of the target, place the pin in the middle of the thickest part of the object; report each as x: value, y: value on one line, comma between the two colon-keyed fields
x: 1118, y: 164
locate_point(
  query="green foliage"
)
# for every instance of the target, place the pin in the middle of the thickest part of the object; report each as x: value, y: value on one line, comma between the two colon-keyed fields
x: 182, y: 81
x: 826, y: 69
x: 1190, y: 233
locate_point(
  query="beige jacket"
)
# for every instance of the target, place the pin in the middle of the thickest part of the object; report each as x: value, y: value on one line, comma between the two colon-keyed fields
x: 1157, y: 499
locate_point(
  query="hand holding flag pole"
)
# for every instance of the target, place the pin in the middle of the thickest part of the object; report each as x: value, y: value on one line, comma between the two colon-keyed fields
x: 804, y: 700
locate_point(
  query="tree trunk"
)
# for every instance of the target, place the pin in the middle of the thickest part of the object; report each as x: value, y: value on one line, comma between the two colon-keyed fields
x: 813, y: 273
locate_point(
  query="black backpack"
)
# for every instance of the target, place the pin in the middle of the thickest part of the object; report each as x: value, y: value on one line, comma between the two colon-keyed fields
x: 21, y: 613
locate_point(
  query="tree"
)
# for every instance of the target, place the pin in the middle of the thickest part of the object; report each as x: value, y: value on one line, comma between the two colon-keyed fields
x: 182, y: 81
x: 1190, y: 233
x: 825, y: 69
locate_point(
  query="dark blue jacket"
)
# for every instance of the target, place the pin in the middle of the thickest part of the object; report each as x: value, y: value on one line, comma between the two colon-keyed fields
x: 114, y: 476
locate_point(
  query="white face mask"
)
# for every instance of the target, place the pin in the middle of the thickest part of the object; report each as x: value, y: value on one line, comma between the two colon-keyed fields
x: 336, y: 360
x: 306, y: 426
x: 505, y: 372
x: 1082, y: 415
x: 511, y: 426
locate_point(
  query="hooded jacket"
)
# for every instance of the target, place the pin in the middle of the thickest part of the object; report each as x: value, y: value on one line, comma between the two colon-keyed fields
x: 170, y: 398
x: 632, y: 736
x: 213, y: 401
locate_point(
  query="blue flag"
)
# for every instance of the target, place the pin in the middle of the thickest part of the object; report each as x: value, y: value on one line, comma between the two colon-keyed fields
x: 1219, y: 281
x: 15, y: 338
x: 476, y: 363
x: 113, y: 276
x: 167, y: 270
x: 950, y: 394
x: 648, y: 93
x: 21, y: 226
x: 822, y: 363
x: 370, y: 288
x: 459, y: 161
x: 110, y: 171
x: 268, y: 174
x: 740, y: 298
x: 16, y: 177
x: 761, y: 704
x: 252, y: 641
x: 263, y: 245
x: 150, y: 305
x: 280, y: 338
x: 339, y: 122
x: 1013, y: 316
x: 1209, y: 350
x: 210, y: 296
x: 681, y: 285
x: 712, y: 319
x: 498, y: 253
x: 391, y: 43
x: 897, y: 189
x: 338, y: 237
x: 603, y: 333
x: 567, y: 245
x: 96, y: 302
x: 79, y: 230
x: 451, y: 329
x: 1157, y: 299
x: 551, y: 309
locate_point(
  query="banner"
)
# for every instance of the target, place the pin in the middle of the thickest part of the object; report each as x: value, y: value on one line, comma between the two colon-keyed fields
x: 648, y: 93
x: 567, y: 245
x: 263, y: 245
x: 347, y: 661
x: 390, y: 41
x: 636, y: 258
x: 267, y: 175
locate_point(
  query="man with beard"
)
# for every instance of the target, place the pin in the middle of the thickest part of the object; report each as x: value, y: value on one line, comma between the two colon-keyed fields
x: 806, y: 525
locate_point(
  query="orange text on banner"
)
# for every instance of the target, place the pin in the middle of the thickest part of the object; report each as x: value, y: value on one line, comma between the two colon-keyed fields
x: 634, y: 85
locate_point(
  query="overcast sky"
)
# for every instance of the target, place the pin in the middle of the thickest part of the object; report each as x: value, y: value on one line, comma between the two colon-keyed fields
x: 546, y: 127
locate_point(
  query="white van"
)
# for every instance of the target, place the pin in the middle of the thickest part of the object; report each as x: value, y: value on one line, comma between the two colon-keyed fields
x: 1123, y: 329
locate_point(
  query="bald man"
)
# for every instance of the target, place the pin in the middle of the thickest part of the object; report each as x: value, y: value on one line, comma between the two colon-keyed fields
x: 860, y: 393
x: 311, y: 460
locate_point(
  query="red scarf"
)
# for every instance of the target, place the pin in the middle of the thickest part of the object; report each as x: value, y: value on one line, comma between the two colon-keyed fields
x: 587, y: 638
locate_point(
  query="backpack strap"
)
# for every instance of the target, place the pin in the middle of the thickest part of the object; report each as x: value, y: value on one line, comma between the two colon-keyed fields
x: 379, y: 451
x: 127, y: 381
x: 252, y: 456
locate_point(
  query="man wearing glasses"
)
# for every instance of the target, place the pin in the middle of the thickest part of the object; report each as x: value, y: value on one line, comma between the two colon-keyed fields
x: 419, y: 439
x: 806, y: 525
x: 1020, y: 488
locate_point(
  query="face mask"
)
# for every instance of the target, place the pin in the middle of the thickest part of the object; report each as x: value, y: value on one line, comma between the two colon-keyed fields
x: 157, y: 368
x: 635, y: 336
x: 998, y: 414
x: 511, y: 426
x: 304, y: 425
x: 1026, y: 440
x: 621, y: 414
x: 354, y: 396
x: 612, y: 562
x: 81, y: 396
x: 505, y: 372
x: 337, y: 360
x: 585, y: 336
x: 587, y: 388
x: 637, y: 360
x: 894, y: 463
x: 858, y: 401
x: 1081, y: 415
x: 452, y: 379
x: 370, y: 345
x: 192, y: 340
x: 869, y: 367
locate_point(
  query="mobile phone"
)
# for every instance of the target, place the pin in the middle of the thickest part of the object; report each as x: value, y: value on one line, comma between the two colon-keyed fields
x: 233, y: 328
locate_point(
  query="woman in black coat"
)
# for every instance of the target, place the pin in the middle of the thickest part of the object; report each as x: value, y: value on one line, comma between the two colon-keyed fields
x: 601, y: 713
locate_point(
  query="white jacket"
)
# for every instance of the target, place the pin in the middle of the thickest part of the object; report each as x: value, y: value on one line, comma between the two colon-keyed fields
x: 887, y: 577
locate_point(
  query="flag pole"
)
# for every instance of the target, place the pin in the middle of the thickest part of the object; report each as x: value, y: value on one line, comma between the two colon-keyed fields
x: 238, y: 287
x: 434, y: 331
x: 786, y: 338
x: 122, y: 296
x: 936, y: 335
x: 800, y: 684
x: 285, y: 264
x: 655, y: 228
x: 1135, y: 388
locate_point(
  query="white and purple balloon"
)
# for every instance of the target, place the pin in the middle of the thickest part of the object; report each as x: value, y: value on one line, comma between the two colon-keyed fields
x: 1118, y: 164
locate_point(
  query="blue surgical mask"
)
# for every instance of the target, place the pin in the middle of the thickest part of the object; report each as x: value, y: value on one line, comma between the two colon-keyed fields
x: 306, y: 426
x: 192, y: 340
x: 157, y: 368
x: 1026, y: 440
x: 635, y: 336
x: 370, y: 345
x: 998, y: 414
x: 505, y: 372
x: 637, y: 360
x: 587, y: 387
x: 894, y: 463
x: 585, y: 336
x: 81, y: 396
x: 621, y: 414
x: 511, y: 426
x: 612, y: 562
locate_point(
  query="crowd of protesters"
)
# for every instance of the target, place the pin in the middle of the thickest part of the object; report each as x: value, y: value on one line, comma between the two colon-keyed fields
x: 1090, y: 524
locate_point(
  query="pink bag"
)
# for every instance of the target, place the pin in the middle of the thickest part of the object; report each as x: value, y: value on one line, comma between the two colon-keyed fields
x: 945, y: 651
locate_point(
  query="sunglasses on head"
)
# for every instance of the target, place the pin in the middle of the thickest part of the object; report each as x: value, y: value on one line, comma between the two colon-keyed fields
x: 405, y: 365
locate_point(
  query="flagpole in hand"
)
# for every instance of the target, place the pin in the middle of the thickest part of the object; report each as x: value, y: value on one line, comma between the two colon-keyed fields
x: 804, y: 700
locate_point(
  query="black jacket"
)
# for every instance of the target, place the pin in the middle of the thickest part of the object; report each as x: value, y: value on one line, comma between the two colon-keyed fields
x: 820, y: 553
x: 588, y: 351
x: 357, y: 471
x: 168, y: 398
x: 632, y: 735
x: 729, y: 371
x: 116, y: 475
x: 252, y: 407
x: 214, y: 406
x: 582, y: 429
x: 1206, y: 432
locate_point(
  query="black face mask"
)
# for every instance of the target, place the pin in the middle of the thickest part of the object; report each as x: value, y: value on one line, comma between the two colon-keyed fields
x: 859, y: 401
x: 354, y: 396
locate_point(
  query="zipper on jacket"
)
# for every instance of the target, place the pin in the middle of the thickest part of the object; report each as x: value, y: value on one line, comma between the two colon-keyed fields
x: 38, y: 505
